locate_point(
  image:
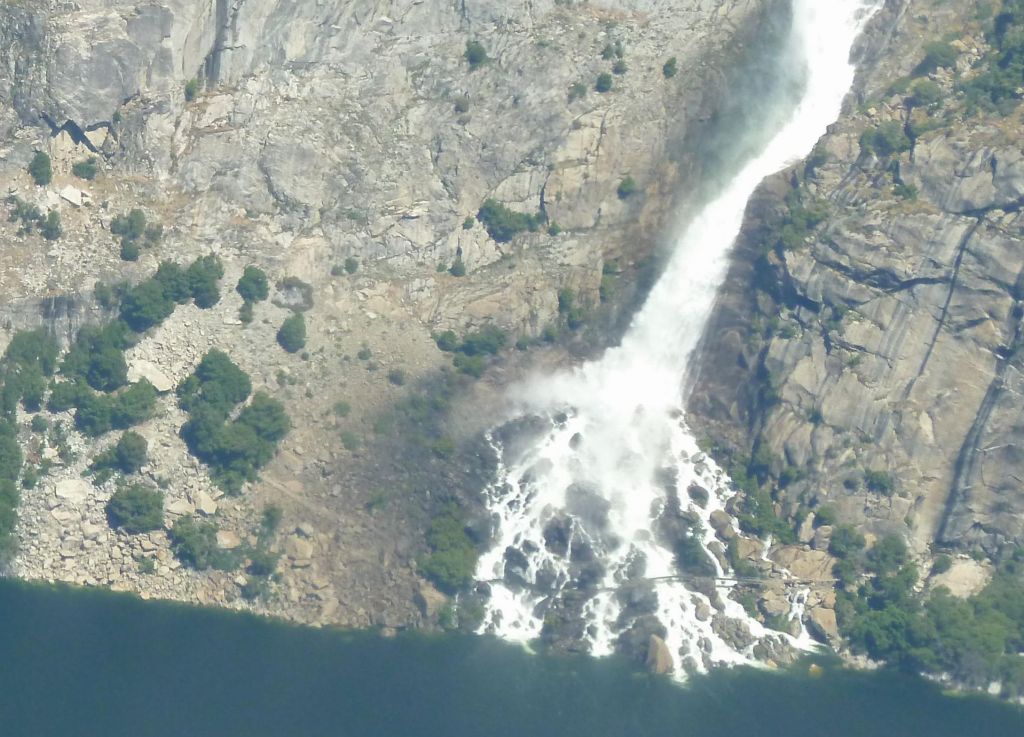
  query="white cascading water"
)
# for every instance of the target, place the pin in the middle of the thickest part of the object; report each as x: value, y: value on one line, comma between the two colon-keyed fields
x: 593, y: 486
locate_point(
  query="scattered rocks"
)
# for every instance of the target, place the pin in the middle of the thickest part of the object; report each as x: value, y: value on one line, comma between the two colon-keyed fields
x: 733, y: 632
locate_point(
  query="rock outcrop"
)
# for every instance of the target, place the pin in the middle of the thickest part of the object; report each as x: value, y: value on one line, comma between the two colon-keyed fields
x: 866, y: 345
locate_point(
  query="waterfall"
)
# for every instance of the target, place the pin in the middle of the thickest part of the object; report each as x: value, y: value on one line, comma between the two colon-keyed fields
x: 595, y: 501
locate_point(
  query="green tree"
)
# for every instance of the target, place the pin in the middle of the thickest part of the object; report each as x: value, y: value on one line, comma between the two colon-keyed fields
x: 136, y: 509
x: 886, y: 139
x: 452, y: 558
x: 146, y: 305
x: 174, y: 281
x: 195, y: 544
x: 216, y: 383
x: 130, y: 226
x: 626, y: 188
x: 51, y: 228
x: 93, y: 415
x: 292, y: 333
x: 888, y: 555
x: 266, y: 416
x: 502, y: 223
x: 603, y: 83
x: 133, y: 405
x: 938, y: 54
x: 33, y: 347
x: 253, y: 285
x: 40, y: 169
x: 203, y: 275
x: 475, y: 54
x: 845, y: 541
x: 128, y: 456
x: 85, y: 169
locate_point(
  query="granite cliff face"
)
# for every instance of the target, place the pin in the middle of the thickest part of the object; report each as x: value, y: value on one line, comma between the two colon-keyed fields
x: 866, y: 346
x: 315, y: 133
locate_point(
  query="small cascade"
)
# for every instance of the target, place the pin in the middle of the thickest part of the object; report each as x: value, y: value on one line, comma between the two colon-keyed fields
x: 603, y: 503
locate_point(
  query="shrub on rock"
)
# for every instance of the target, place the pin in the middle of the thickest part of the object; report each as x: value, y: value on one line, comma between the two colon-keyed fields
x: 136, y: 509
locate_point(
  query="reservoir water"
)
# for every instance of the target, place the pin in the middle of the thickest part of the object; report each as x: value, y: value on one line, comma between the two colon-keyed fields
x: 79, y: 663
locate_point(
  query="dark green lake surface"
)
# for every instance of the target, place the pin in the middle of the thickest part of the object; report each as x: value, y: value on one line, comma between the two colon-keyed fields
x: 79, y: 663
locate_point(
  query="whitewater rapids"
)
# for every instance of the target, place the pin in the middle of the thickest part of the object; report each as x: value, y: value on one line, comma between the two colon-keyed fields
x: 597, y: 483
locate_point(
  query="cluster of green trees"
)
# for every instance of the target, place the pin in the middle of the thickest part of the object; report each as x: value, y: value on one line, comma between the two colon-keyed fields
x: 127, y: 456
x: 235, y: 448
x: 996, y: 87
x: 885, y: 139
x: 503, y: 224
x: 252, y: 287
x: 95, y: 363
x: 28, y: 362
x: 451, y: 562
x: 194, y: 543
x: 152, y: 301
x: 756, y: 512
x: 977, y: 640
x: 30, y: 357
x: 10, y: 469
x: 803, y: 214
x: 31, y: 217
x: 474, y: 349
x: 134, y: 232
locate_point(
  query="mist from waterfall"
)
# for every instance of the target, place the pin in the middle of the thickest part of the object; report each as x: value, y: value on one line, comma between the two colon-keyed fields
x: 603, y: 481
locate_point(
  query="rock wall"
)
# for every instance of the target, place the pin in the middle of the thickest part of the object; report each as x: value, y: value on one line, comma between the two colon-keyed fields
x: 871, y: 360
x: 319, y: 132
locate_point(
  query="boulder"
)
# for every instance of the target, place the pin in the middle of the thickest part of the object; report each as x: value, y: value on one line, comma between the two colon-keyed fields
x: 181, y: 507
x: 806, y: 532
x: 810, y: 565
x: 75, y: 491
x: 965, y: 577
x: 774, y: 603
x: 702, y: 610
x: 733, y: 632
x: 429, y: 600
x: 749, y: 548
x: 823, y: 624
x: 659, y: 658
x: 205, y: 503
x: 227, y: 540
x: 822, y: 537
x: 298, y: 548
x: 721, y: 523
x: 140, y: 369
